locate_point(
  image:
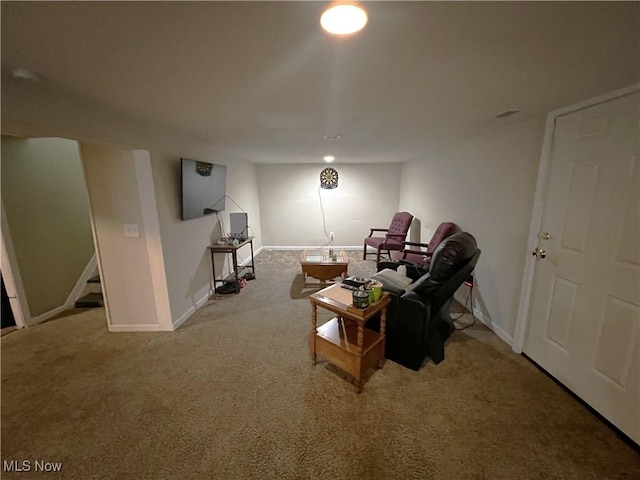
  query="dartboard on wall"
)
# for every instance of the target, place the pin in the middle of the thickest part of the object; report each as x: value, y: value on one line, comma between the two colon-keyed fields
x: 329, y: 178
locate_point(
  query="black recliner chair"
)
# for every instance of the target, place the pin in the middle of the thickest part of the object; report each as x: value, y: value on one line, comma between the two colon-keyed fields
x: 418, y: 318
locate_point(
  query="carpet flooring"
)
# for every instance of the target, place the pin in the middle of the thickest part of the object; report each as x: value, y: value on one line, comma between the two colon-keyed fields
x: 232, y: 394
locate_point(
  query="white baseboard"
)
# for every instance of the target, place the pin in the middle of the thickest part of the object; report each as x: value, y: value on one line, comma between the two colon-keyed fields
x: 80, y: 285
x: 135, y: 328
x: 186, y: 315
x: 73, y: 296
x: 504, y: 336
x: 199, y: 303
x: 47, y: 315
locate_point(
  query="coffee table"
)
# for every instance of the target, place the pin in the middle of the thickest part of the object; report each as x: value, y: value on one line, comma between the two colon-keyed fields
x: 344, y: 341
x: 323, y: 266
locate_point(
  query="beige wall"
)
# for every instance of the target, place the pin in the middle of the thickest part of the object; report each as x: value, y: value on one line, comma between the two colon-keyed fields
x: 367, y: 196
x: 126, y: 272
x: 485, y: 185
x: 45, y: 201
x: 33, y: 111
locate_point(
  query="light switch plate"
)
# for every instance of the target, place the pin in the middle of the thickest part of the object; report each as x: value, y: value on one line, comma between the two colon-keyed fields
x: 131, y: 230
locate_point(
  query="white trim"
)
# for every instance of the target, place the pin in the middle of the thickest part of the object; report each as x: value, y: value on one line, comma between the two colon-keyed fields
x: 151, y: 225
x: 522, y: 316
x: 135, y: 328
x: 490, y: 324
x: 508, y: 339
x: 192, y: 310
x: 255, y: 253
x: 11, y: 275
x: 47, y: 315
x: 82, y: 282
x: 186, y: 315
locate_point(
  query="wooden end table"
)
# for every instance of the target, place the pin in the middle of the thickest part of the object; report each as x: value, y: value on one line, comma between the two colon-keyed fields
x: 322, y: 266
x: 344, y: 341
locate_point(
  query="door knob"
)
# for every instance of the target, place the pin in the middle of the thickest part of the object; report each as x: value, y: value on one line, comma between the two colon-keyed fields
x: 545, y: 235
x: 539, y: 253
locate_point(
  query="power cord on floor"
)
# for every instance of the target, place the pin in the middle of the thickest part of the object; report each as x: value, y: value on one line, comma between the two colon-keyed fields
x: 469, y: 282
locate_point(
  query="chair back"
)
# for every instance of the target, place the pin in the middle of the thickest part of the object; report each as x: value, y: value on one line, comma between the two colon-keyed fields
x: 450, y: 287
x: 451, y: 264
x: 444, y: 230
x: 399, y: 227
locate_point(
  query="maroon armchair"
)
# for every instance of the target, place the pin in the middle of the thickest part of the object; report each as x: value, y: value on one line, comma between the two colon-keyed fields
x: 421, y: 257
x: 394, y: 238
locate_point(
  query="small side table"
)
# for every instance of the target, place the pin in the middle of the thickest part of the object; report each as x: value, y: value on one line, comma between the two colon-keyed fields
x: 344, y: 341
x: 233, y: 250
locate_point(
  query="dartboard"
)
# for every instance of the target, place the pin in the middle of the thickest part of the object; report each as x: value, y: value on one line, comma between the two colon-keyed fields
x: 328, y: 178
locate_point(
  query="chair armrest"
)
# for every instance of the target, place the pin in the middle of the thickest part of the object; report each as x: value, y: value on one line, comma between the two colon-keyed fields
x: 377, y: 230
x: 417, y: 252
x: 417, y: 244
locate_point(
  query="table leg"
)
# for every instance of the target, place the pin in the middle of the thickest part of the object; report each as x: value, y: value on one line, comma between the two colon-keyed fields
x: 213, y: 268
x: 234, y: 256
x: 383, y: 326
x: 314, y: 322
x: 383, y: 321
x: 253, y: 263
x: 360, y: 338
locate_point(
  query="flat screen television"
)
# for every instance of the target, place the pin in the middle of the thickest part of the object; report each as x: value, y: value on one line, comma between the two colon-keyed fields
x: 204, y: 188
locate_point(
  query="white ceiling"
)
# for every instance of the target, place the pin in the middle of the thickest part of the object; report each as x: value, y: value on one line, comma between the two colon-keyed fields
x: 262, y: 80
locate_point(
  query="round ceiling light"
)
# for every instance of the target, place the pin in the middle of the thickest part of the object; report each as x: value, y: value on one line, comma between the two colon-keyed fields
x: 343, y: 19
x: 329, y: 158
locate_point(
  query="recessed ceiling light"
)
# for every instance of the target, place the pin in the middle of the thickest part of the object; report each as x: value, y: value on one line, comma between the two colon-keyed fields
x: 332, y: 137
x: 343, y: 19
x: 329, y: 158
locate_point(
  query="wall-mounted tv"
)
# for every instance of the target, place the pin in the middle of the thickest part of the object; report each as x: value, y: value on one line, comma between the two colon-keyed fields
x: 204, y: 188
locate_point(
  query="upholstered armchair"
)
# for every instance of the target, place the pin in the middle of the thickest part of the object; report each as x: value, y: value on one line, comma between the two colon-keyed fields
x: 418, y: 319
x: 417, y: 256
x: 394, y: 238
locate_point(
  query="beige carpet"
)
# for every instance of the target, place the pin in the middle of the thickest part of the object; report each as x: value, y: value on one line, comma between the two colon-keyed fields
x: 233, y: 395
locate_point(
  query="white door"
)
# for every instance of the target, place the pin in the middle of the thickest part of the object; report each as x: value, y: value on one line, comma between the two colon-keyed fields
x: 584, y: 320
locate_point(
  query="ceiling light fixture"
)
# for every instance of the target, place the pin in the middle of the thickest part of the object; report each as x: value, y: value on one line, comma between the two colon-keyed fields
x: 329, y: 158
x: 332, y: 137
x: 343, y: 19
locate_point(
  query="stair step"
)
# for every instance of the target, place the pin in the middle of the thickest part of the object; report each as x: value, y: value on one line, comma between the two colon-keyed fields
x: 95, y: 279
x: 91, y: 300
